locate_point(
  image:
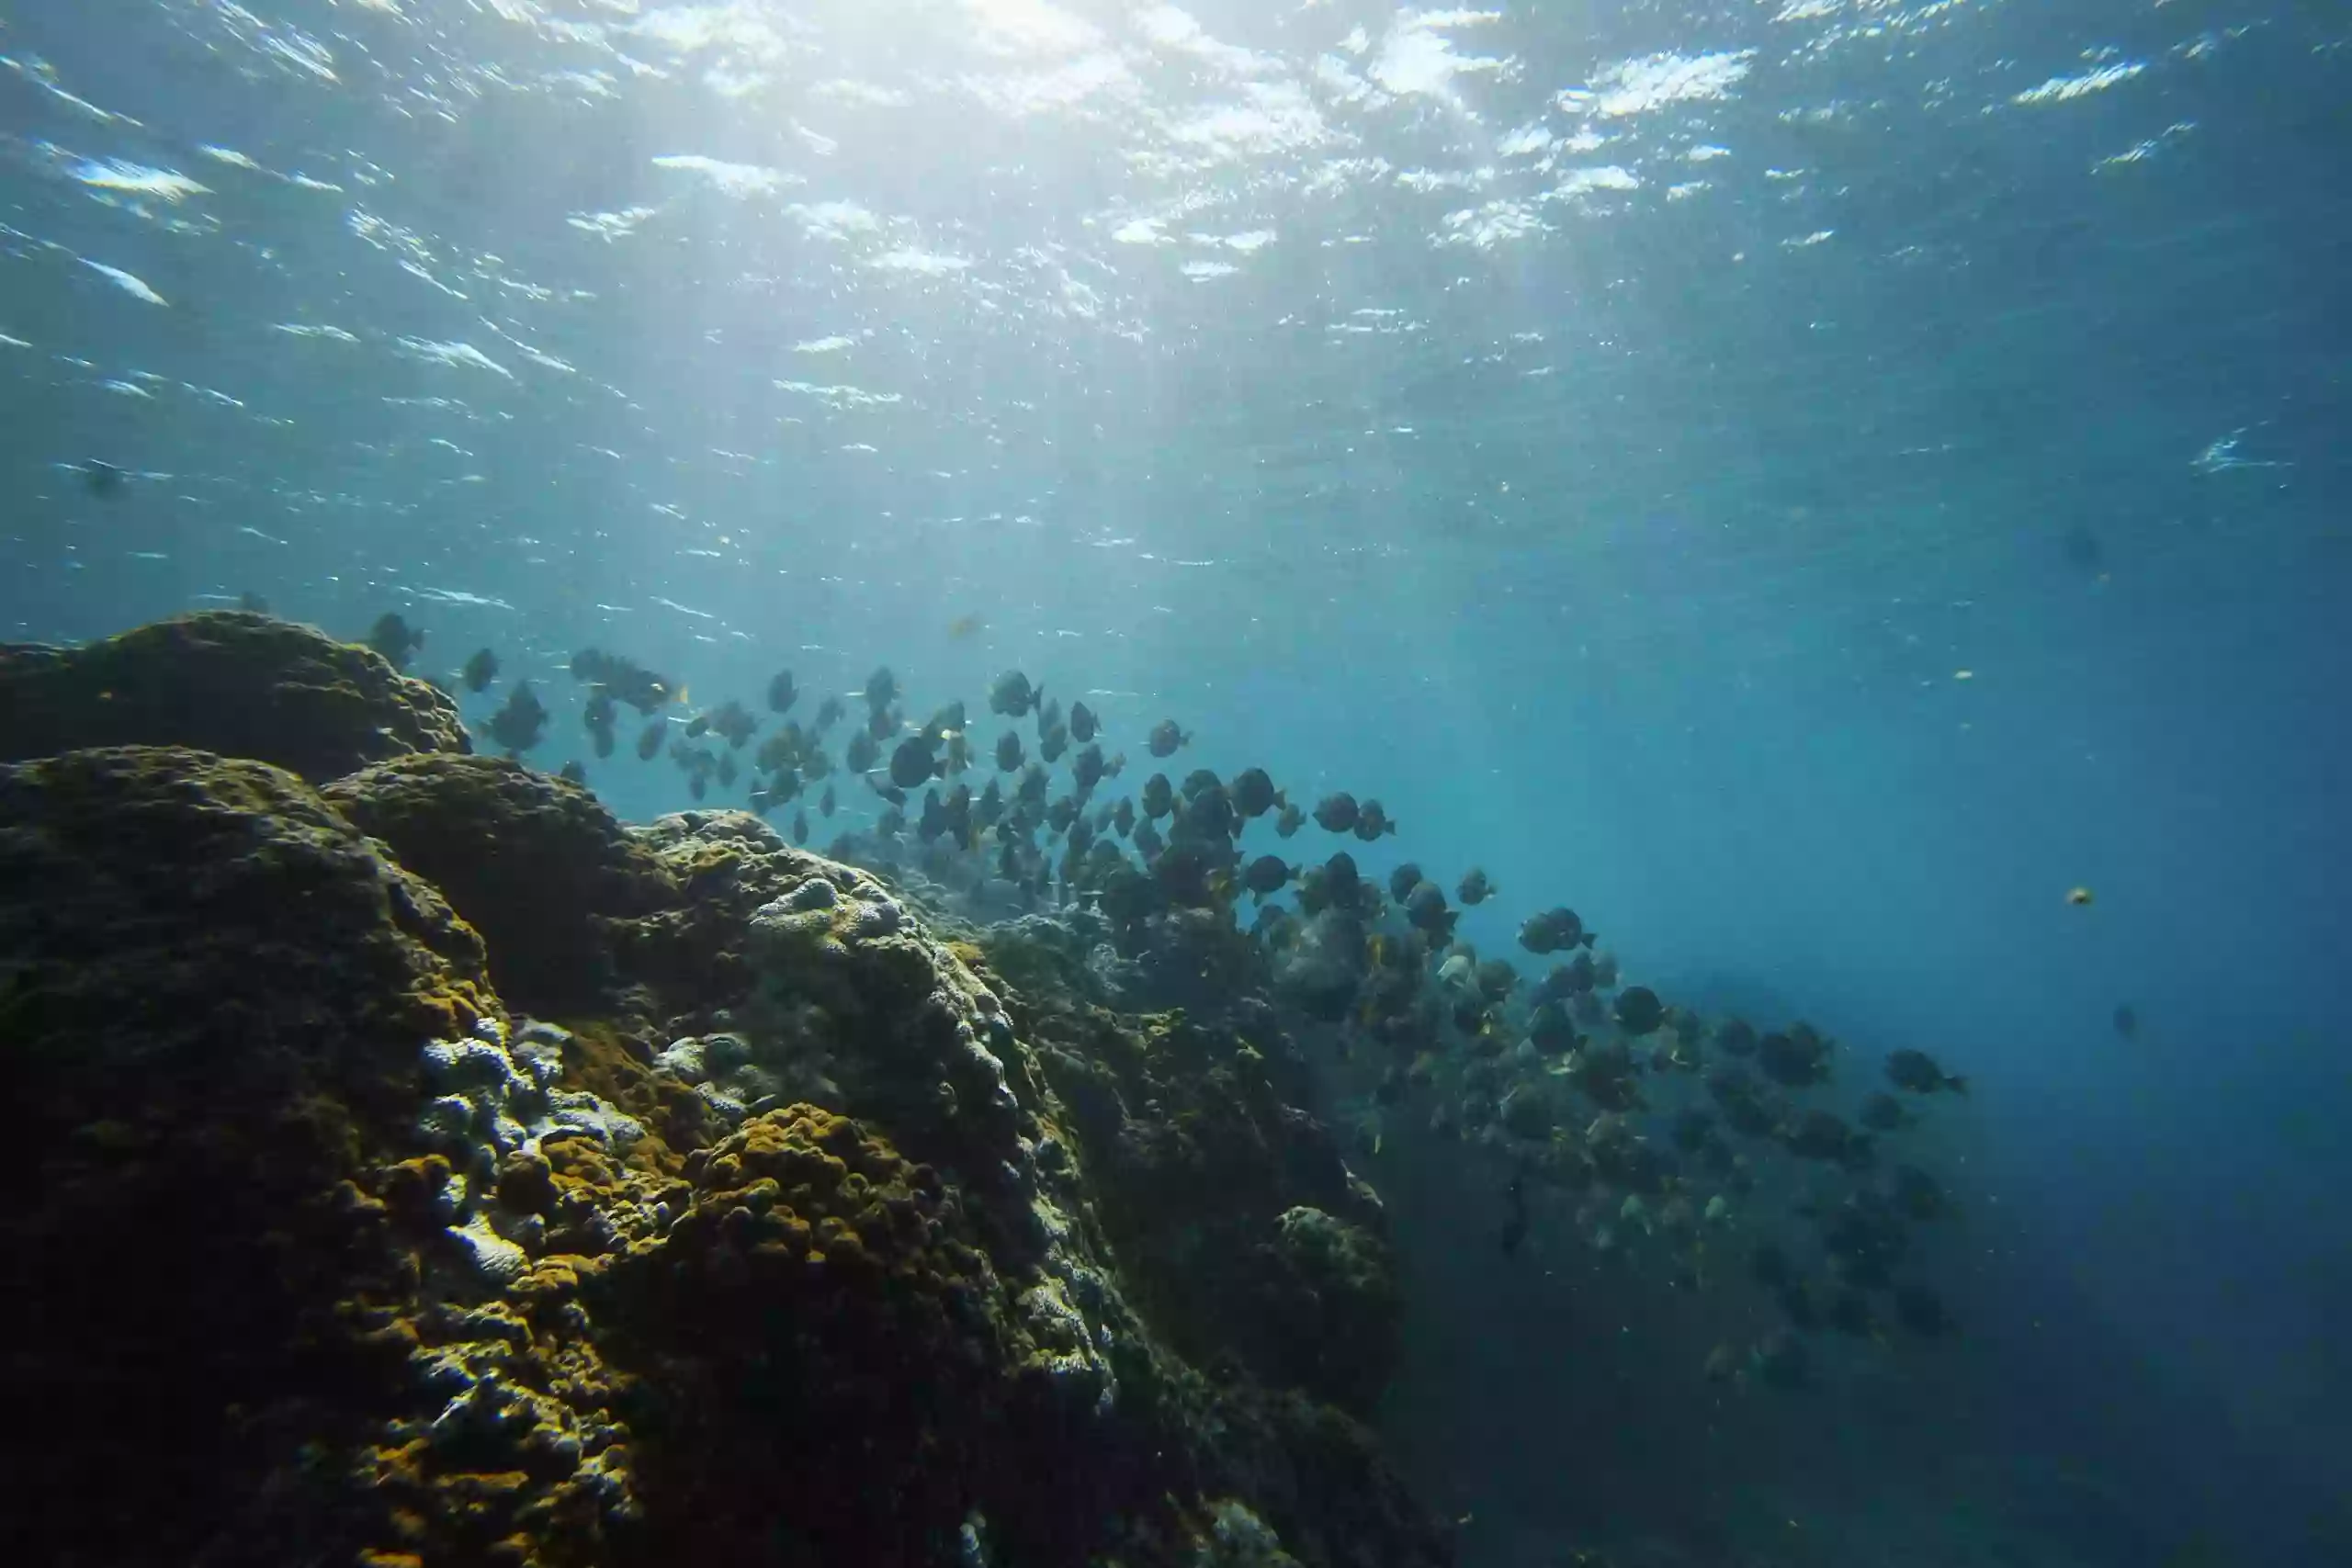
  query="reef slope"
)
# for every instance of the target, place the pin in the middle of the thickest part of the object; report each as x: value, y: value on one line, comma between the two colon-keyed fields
x: 744, y: 1219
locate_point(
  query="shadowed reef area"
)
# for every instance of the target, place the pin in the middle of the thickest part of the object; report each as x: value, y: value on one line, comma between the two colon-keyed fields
x: 426, y: 1168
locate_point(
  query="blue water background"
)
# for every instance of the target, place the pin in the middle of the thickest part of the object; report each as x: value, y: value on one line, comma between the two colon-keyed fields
x: 1637, y: 558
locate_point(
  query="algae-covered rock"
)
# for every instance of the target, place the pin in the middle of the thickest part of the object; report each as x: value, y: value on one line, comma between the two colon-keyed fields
x: 1195, y: 1159
x: 384, y: 1277
x: 213, y: 995
x: 815, y: 1268
x: 228, y: 682
x: 533, y: 861
x: 815, y: 960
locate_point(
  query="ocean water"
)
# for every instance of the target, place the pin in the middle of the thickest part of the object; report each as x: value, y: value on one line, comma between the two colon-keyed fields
x: 1808, y: 483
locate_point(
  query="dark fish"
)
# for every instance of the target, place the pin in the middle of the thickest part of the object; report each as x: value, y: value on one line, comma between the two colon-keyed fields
x: 1425, y: 910
x: 1122, y: 821
x: 826, y: 801
x: 103, y: 478
x: 395, y: 639
x: 1008, y: 751
x: 1054, y: 742
x: 1736, y: 1037
x: 1638, y: 1010
x: 1210, y: 814
x: 864, y: 751
x: 518, y: 726
x: 1917, y: 1071
x: 1266, y: 875
x: 253, y: 603
x: 1552, y: 931
x: 1148, y: 840
x: 575, y: 772
x: 649, y: 740
x: 480, y: 670
x: 727, y: 771
x: 1474, y: 888
x: 1371, y: 821
x: 734, y: 721
x: 800, y: 827
x: 624, y: 677
x: 1403, y: 880
x: 881, y: 689
x: 782, y: 693
x: 603, y: 741
x: 1011, y: 694
x: 829, y: 713
x: 1292, y: 819
x: 1159, y: 797
x: 1823, y: 1135
x: 2127, y: 1021
x: 1086, y: 768
x: 1083, y: 725
x: 1796, y: 1056
x: 1166, y: 737
x: 698, y: 727
x: 1254, y: 793
x: 947, y: 721
x: 1336, y: 813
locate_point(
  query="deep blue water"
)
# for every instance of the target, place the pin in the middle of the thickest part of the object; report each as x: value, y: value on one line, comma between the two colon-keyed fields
x: 1806, y: 483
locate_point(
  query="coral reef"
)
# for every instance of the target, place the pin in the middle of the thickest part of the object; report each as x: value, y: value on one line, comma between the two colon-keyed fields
x: 799, y: 1234
x: 534, y: 862
x: 211, y: 1001
x: 223, y: 680
x: 1238, y: 1228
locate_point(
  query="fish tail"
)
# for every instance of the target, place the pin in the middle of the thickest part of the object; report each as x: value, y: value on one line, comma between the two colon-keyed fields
x: 1956, y: 1083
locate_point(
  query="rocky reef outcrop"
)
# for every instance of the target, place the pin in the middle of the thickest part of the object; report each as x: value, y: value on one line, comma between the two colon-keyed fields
x: 213, y: 994
x: 427, y: 1168
x: 534, y: 862
x: 228, y: 681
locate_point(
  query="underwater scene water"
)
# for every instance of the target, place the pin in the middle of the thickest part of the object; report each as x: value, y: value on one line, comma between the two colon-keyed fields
x: 1029, y: 782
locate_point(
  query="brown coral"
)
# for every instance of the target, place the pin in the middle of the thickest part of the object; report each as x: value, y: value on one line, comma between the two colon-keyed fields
x: 224, y: 680
x: 534, y: 862
x: 212, y: 1002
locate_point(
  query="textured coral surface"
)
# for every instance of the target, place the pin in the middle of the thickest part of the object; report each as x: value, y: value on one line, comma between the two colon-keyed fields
x: 744, y: 1219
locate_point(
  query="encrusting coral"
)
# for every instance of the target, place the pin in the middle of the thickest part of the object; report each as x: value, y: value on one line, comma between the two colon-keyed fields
x: 787, y: 1232
x: 223, y: 680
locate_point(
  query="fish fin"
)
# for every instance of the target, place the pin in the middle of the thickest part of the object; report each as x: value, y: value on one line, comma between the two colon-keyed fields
x: 1957, y: 1084
x: 1589, y: 938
